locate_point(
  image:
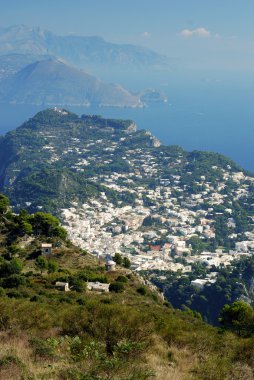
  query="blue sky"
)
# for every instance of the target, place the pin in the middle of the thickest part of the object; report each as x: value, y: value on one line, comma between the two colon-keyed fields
x: 201, y: 34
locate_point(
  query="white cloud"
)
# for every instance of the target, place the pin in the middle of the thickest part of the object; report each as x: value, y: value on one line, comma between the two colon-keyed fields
x: 146, y: 34
x: 186, y: 33
x: 200, y: 32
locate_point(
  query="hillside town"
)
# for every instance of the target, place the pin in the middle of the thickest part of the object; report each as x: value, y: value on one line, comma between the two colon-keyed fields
x: 117, y: 189
x: 155, y: 232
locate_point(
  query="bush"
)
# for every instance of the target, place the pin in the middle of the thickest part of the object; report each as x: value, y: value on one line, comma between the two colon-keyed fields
x: 12, y: 267
x: 142, y: 290
x: 13, y: 281
x: 42, y: 348
x: 118, y: 259
x: 122, y: 279
x: 77, y: 284
x: 126, y: 262
x: 4, y: 203
x: 116, y: 287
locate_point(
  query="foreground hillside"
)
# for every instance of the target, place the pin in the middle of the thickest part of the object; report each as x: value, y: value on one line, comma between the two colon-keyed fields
x: 128, y: 333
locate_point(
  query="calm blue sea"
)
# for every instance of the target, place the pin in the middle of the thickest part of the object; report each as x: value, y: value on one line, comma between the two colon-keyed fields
x: 210, y: 115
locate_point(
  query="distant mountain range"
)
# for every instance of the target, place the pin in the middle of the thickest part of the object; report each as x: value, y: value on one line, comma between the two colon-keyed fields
x: 40, y: 68
x: 52, y: 82
x: 82, y: 51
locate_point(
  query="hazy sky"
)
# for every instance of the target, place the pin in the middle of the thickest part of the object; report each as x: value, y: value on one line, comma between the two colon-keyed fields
x: 216, y: 34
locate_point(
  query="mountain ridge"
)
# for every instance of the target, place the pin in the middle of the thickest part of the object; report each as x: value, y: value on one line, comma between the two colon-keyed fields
x: 52, y: 82
x: 78, y: 50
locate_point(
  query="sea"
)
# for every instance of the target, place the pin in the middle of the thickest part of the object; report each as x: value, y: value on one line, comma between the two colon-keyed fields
x: 205, y: 114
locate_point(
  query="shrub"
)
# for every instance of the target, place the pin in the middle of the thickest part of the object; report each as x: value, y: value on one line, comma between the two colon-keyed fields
x: 122, y: 279
x: 126, y: 262
x: 81, y: 301
x: 42, y: 348
x: 118, y: 259
x: 77, y: 284
x: 13, y: 281
x: 116, y: 287
x: 14, y: 294
x: 4, y: 203
x: 142, y: 290
x: 8, y: 268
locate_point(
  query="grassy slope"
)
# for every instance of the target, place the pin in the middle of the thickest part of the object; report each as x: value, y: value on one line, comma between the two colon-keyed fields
x: 47, y: 334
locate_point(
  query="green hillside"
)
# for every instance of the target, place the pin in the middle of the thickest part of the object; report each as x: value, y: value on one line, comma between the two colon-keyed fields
x: 128, y: 333
x: 174, y: 214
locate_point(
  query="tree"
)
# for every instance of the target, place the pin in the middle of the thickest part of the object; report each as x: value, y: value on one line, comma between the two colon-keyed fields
x: 197, y: 244
x: 126, y: 262
x: 238, y: 317
x: 118, y: 259
x: 26, y: 228
x: 116, y: 287
x: 8, y: 268
x: 41, y: 263
x: 47, y: 224
x: 52, y: 266
x: 4, y: 203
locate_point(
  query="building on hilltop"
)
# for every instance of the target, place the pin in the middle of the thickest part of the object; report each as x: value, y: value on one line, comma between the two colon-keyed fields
x: 110, y: 266
x: 46, y: 249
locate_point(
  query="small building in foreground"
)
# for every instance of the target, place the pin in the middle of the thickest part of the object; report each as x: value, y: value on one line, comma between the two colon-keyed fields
x: 63, y: 286
x: 110, y: 265
x: 46, y: 249
x: 98, y: 287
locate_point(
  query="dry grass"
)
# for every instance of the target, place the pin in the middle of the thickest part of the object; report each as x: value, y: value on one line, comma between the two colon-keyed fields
x: 169, y: 363
x: 166, y: 363
x: 21, y: 359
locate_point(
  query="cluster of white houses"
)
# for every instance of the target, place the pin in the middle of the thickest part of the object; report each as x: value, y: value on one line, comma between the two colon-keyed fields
x: 103, y: 229
x: 168, y: 212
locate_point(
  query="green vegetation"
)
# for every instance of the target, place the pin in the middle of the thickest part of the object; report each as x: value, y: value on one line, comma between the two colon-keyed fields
x: 238, y: 317
x: 56, y: 159
x: 122, y: 261
x: 231, y: 285
x: 128, y: 333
